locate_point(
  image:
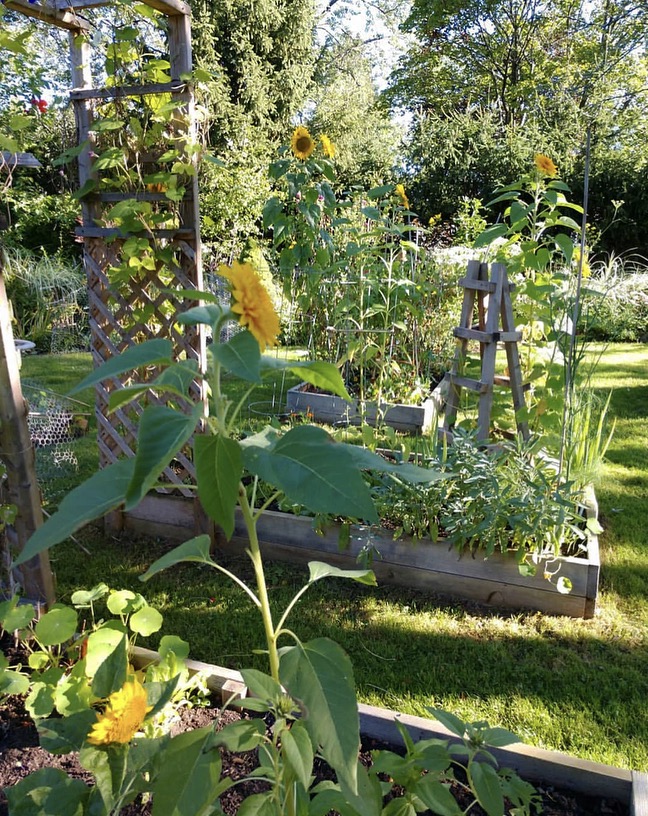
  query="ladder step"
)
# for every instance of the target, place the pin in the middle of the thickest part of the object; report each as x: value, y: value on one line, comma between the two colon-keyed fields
x: 506, y: 381
x: 477, y: 285
x: 468, y: 382
x: 476, y: 334
x: 483, y: 285
x: 487, y: 337
x: 115, y: 232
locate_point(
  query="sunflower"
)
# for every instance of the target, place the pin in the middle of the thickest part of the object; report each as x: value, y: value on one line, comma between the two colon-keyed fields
x: 545, y: 165
x: 399, y: 190
x: 252, y: 302
x: 123, y: 716
x: 327, y: 146
x: 301, y: 143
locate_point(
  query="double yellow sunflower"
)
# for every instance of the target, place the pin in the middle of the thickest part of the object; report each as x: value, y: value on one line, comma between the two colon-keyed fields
x: 252, y: 303
x: 545, y: 165
x: 123, y: 716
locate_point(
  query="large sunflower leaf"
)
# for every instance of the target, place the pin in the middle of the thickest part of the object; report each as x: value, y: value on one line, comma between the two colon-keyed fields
x: 319, y: 676
x: 313, y: 470
x: 219, y: 467
x: 102, y: 492
x: 162, y: 432
x: 240, y: 356
x: 151, y: 352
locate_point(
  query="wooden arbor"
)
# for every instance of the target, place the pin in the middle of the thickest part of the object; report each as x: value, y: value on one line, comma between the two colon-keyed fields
x: 121, y: 315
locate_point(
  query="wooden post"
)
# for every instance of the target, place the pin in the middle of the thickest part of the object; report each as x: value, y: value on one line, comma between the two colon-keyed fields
x: 35, y: 577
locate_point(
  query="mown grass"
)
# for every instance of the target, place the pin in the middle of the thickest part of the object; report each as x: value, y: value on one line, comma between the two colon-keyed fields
x: 571, y: 685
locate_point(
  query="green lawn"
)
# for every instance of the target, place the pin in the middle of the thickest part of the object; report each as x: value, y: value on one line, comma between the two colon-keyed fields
x: 572, y: 685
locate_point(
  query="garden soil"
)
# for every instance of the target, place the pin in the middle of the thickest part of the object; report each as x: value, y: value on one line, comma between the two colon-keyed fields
x: 20, y: 755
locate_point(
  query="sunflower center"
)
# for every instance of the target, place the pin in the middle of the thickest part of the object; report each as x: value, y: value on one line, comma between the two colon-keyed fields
x: 303, y: 144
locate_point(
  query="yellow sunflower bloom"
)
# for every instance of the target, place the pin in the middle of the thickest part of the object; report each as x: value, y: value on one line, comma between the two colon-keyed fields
x: 545, y: 165
x: 327, y: 146
x: 252, y: 303
x: 301, y: 143
x: 123, y: 717
x: 399, y: 190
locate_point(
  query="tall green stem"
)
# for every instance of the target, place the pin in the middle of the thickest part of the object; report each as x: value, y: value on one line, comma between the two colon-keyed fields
x: 262, y: 590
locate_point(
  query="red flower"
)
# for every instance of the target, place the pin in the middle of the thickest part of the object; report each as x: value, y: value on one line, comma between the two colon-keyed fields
x: 41, y: 104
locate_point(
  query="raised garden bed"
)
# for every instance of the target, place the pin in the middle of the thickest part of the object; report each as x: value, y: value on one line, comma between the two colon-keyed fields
x: 331, y: 410
x: 495, y: 581
x: 537, y: 765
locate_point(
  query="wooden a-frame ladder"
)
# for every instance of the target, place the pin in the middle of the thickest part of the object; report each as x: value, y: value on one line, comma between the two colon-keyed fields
x: 492, y: 296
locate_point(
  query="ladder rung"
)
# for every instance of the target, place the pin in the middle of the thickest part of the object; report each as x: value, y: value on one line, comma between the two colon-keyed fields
x: 479, y: 285
x: 506, y: 381
x: 476, y: 334
x: 468, y: 382
x: 510, y: 337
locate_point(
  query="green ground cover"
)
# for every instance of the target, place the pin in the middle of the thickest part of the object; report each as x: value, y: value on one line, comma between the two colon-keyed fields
x: 572, y: 685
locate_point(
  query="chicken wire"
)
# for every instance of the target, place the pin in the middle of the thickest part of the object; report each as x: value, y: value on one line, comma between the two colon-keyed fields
x: 56, y: 424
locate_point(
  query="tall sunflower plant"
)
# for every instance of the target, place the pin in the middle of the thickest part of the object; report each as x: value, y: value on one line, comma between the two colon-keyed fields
x: 309, y: 688
x: 539, y: 241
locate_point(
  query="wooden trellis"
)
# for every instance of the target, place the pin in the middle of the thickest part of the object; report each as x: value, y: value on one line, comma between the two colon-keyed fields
x: 495, y: 326
x: 112, y: 308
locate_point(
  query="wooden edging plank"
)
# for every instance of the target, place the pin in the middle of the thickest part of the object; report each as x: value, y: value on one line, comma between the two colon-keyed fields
x: 225, y: 684
x: 534, y: 764
x: 639, y: 804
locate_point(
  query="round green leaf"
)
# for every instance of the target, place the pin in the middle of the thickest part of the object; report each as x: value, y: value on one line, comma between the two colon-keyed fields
x: 38, y: 660
x: 56, y: 626
x: 84, y: 597
x: 123, y: 602
x: 16, y: 616
x: 146, y: 621
x: 175, y: 644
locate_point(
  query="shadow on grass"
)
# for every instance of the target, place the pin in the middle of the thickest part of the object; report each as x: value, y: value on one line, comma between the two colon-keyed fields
x: 410, y: 648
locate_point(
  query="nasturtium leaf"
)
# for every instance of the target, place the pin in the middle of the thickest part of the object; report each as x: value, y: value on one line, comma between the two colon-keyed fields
x: 196, y: 549
x: 13, y: 682
x: 84, y: 597
x: 319, y: 675
x: 124, y: 601
x: 102, y: 492
x: 219, y: 468
x: 527, y: 570
x: 240, y: 356
x: 57, y: 625
x: 173, y: 644
x: 14, y: 615
x: 564, y: 585
x: 146, y: 621
x: 49, y: 790
x: 162, y: 433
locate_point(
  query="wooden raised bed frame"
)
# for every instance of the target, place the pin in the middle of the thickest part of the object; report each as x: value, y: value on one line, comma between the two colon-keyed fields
x: 495, y: 581
x: 533, y: 764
